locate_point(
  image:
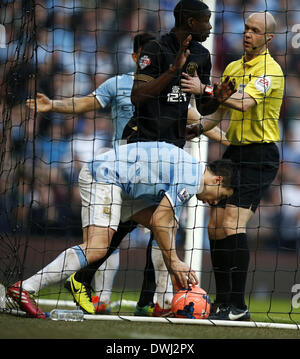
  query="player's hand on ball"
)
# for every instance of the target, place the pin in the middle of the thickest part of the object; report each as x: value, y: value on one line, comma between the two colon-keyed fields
x: 41, y: 103
x: 184, y: 276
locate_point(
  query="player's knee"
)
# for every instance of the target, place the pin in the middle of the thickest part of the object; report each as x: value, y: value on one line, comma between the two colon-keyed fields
x: 97, y: 244
x: 95, y: 254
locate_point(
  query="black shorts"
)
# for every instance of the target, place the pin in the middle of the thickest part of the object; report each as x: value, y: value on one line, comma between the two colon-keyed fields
x: 258, y: 164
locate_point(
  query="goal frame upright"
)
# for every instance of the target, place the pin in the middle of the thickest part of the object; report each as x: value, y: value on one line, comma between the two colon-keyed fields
x: 195, y: 225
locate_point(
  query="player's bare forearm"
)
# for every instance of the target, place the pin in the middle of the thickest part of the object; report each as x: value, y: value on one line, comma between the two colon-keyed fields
x: 75, y: 105
x: 72, y: 105
x: 160, y: 220
x: 216, y: 134
x: 196, y: 125
x: 64, y: 106
x: 164, y: 227
x: 210, y: 122
x: 182, y: 275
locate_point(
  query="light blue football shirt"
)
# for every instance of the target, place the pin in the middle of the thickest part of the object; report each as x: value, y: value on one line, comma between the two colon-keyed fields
x: 116, y: 92
x: 150, y: 170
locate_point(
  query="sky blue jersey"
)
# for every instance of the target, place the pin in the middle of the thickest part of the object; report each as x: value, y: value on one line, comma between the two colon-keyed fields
x: 116, y: 92
x: 150, y: 170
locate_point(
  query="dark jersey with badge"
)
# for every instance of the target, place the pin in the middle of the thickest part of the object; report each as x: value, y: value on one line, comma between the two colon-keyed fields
x: 163, y: 118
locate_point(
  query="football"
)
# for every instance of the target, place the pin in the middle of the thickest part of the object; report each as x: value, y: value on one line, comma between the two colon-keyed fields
x: 192, y: 303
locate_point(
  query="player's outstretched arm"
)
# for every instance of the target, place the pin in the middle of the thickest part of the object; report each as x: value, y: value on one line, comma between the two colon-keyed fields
x: 216, y: 134
x: 72, y: 105
x: 192, y: 129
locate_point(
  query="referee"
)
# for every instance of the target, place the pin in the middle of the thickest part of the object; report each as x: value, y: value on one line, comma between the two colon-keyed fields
x: 253, y: 132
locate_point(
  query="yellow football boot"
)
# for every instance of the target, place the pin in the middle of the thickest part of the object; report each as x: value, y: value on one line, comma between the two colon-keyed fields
x: 81, y: 295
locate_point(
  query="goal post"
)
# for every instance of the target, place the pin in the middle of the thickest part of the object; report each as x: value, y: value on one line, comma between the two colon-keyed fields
x: 195, y: 225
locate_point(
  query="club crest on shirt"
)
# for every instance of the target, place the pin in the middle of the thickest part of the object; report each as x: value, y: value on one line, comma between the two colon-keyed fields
x: 191, y: 68
x: 183, y: 195
x: 263, y: 83
x: 144, y: 61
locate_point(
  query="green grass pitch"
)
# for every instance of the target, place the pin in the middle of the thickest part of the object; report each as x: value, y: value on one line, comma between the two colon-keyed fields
x: 275, y: 310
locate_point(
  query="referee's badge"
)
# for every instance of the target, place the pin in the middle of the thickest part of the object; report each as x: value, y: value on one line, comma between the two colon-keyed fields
x: 263, y: 84
x: 144, y: 61
x: 241, y: 88
x: 191, y: 68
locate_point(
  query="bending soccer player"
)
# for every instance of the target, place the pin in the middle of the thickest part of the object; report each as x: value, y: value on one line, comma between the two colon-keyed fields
x: 148, y: 183
x: 253, y: 132
x: 116, y: 93
x: 122, y: 110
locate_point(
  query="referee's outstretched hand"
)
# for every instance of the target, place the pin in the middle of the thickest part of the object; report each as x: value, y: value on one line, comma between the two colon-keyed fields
x: 224, y: 90
x: 182, y: 55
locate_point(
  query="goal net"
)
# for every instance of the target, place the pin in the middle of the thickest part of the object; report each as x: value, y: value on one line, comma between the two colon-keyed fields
x: 66, y: 49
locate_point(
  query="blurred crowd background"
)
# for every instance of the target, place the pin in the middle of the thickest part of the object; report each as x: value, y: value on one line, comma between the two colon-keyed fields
x: 66, y: 48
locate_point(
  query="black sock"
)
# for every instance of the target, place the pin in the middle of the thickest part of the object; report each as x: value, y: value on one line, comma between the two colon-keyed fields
x: 85, y: 275
x: 149, y: 285
x: 239, y: 269
x: 221, y: 262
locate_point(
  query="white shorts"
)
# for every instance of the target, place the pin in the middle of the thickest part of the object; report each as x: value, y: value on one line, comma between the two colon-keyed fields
x: 104, y: 204
x: 101, y: 202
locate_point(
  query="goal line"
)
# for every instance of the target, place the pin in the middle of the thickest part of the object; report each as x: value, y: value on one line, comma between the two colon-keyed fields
x: 131, y: 318
x: 166, y: 320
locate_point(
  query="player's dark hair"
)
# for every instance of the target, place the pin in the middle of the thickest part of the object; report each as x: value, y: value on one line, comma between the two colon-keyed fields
x: 228, y: 170
x: 189, y: 8
x: 140, y: 40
